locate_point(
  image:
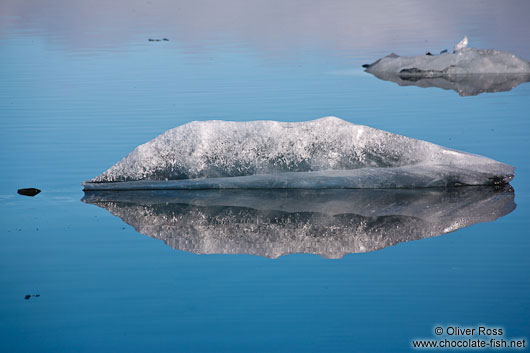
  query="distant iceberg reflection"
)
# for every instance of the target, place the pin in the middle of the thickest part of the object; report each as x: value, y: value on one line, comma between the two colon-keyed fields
x: 330, y: 223
x: 465, y: 85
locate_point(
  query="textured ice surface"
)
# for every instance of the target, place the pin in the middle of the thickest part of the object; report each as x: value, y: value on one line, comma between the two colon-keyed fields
x: 330, y: 223
x: 464, y: 61
x: 323, y: 153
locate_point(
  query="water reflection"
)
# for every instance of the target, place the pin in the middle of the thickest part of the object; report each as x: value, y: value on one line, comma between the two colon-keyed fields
x: 465, y: 85
x: 272, y: 223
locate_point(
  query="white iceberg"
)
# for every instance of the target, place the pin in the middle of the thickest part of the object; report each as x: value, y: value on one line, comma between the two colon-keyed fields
x: 323, y: 153
x: 465, y: 61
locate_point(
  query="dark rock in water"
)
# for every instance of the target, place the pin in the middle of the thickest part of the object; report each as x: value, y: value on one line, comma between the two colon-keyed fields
x: 165, y: 40
x: 28, y: 191
x: 366, y: 65
x: 428, y: 53
x: 443, y: 51
x: 28, y: 296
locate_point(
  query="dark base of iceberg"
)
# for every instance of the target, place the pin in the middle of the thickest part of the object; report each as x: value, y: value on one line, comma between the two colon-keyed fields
x: 365, y: 178
x: 330, y: 223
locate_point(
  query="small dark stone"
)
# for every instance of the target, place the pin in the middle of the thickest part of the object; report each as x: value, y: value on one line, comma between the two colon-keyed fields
x: 443, y: 51
x: 37, y: 295
x: 27, y: 296
x: 165, y: 40
x: 28, y: 191
x: 428, y: 53
x: 366, y: 65
x: 151, y: 40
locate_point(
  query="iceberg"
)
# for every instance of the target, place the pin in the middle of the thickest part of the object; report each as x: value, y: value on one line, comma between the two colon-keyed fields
x: 462, y: 62
x: 468, y: 71
x: 319, y: 154
x: 330, y: 223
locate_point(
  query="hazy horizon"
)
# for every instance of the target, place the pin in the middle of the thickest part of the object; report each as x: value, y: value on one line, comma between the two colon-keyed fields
x: 275, y: 26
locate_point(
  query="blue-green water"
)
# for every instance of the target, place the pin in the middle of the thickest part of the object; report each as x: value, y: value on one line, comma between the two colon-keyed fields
x: 81, y: 86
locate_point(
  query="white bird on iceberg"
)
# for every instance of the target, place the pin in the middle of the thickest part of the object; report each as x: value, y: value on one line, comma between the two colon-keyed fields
x: 461, y: 45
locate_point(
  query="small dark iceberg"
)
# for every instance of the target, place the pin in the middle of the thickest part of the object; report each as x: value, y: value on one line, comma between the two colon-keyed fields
x: 330, y: 223
x: 468, y: 71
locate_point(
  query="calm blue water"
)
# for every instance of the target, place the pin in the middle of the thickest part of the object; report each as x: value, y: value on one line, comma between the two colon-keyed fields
x: 81, y: 86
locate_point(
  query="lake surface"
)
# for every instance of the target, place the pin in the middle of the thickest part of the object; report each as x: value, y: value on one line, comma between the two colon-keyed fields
x: 82, y: 86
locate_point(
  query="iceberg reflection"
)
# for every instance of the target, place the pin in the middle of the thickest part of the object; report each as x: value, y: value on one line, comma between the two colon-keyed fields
x: 272, y: 223
x: 465, y: 85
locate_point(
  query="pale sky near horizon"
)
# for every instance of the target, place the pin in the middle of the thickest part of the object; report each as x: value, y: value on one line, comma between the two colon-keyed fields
x: 276, y: 25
